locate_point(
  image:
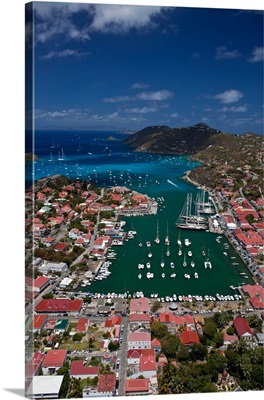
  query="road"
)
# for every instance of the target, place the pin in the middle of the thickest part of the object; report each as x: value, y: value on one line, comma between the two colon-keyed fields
x: 122, y: 354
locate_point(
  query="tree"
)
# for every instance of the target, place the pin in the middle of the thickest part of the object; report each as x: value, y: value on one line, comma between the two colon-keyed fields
x: 113, y: 346
x: 156, y: 305
x: 158, y: 330
x: 77, y: 337
x: 169, y: 345
x: 230, y: 330
x: 182, y: 353
x: 218, y: 339
x: 210, y: 329
x: 198, y: 352
x: 254, y: 322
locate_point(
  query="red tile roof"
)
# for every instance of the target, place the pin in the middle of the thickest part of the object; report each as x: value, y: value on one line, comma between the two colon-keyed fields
x: 137, y: 385
x: 139, y: 317
x: 77, y: 368
x: 189, y: 337
x: 139, y: 305
x: 58, y: 305
x: 40, y: 281
x: 241, y: 326
x: 60, y: 246
x: 137, y: 353
x: 138, y: 337
x: 231, y: 338
x: 147, y: 363
x: 55, y: 358
x: 107, y: 383
x: 38, y: 321
x: 81, y: 325
x: 31, y: 368
x: 155, y: 343
x: 166, y: 317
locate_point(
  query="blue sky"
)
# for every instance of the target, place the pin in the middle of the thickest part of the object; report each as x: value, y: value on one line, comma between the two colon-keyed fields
x: 121, y: 67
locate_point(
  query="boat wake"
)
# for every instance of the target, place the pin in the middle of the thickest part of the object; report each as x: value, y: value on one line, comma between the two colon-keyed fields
x: 173, y: 184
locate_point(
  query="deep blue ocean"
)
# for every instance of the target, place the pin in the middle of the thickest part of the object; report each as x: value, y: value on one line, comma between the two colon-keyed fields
x: 90, y: 155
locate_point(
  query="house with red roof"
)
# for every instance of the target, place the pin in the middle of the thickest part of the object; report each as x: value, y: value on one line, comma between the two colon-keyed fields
x: 61, y: 305
x: 60, y: 247
x: 229, y: 339
x: 242, y: 328
x: 133, y: 356
x: 189, y: 337
x: 139, y: 319
x: 156, y: 345
x: 256, y: 303
x: 148, y: 366
x: 139, y: 340
x: 38, y: 323
x: 162, y: 360
x: 33, y: 366
x: 80, y: 371
x: 139, y: 305
x: 137, y: 387
x: 49, y: 241
x: 106, y: 385
x: 82, y: 325
x: 53, y: 360
x: 39, y: 284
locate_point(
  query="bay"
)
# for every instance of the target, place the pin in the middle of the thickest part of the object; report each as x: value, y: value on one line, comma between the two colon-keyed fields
x: 89, y: 155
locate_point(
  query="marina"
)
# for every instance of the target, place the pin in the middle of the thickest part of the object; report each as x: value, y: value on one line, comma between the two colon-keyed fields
x: 148, y: 173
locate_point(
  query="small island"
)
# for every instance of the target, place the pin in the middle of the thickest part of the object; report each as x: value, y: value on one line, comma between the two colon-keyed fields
x: 111, y: 138
x: 31, y: 157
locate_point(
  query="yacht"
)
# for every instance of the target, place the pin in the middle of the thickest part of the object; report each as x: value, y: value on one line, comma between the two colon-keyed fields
x: 163, y: 275
x: 149, y: 254
x: 192, y: 264
x: 168, y: 252
x: 184, y: 262
x: 148, y: 243
x: 172, y: 265
x: 196, y: 275
x: 139, y: 276
x: 173, y: 275
x: 148, y: 265
x: 189, y: 253
x: 187, y: 242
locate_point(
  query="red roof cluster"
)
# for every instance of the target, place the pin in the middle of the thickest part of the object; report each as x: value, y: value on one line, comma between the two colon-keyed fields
x: 147, y: 363
x: 140, y: 305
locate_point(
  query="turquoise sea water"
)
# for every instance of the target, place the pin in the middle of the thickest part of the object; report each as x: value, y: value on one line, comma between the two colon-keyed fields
x: 88, y: 155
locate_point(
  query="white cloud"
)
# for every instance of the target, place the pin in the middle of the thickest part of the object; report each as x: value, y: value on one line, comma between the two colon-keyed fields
x: 120, y: 19
x: 142, y: 110
x: 257, y: 54
x: 117, y: 99
x: 235, y: 109
x: 229, y: 96
x: 174, y: 115
x: 223, y: 53
x: 160, y: 95
x: 140, y: 85
x: 62, y: 54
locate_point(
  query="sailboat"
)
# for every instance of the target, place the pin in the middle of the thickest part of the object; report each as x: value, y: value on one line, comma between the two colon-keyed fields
x: 53, y: 144
x: 187, y: 220
x: 61, y: 156
x: 179, y: 239
x: 51, y: 157
x: 207, y: 263
x: 157, y: 240
x: 168, y: 252
x: 184, y: 262
x: 167, y: 241
x: 203, y: 252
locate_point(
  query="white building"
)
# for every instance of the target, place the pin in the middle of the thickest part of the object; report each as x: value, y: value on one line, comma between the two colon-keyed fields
x: 65, y: 282
x: 45, y: 387
x: 46, y: 267
x: 139, y: 340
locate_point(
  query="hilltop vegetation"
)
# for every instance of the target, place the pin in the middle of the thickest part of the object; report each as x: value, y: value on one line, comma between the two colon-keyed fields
x: 220, y: 153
